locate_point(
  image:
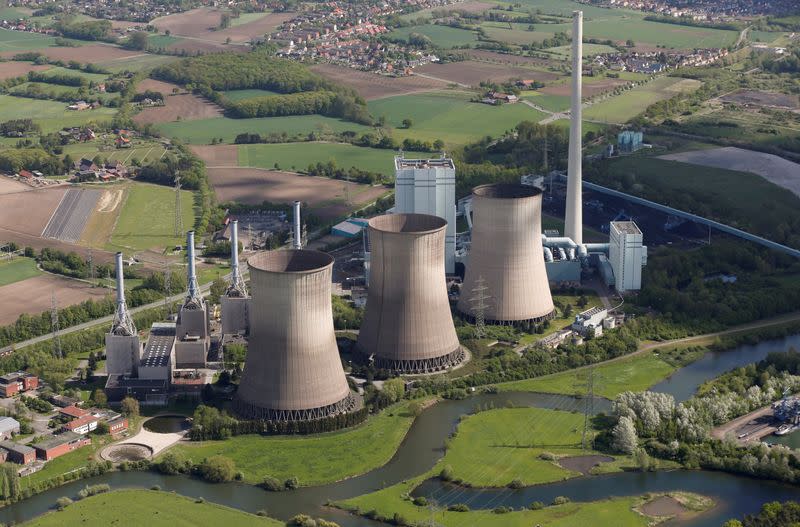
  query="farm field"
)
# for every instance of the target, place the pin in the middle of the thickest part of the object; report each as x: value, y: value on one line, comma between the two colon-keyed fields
x: 297, y: 156
x: 143, y: 62
x: 316, y: 459
x: 202, y: 131
x: 18, y: 41
x: 33, y: 295
x: 441, y: 36
x: 35, y: 205
x: 589, y: 50
x: 373, y: 86
x: 554, y: 103
x: 201, y: 25
x: 633, y: 102
x: 590, y: 87
x: 240, y: 95
x: 50, y: 115
x: 84, y: 52
x: 147, y: 218
x: 472, y: 72
x: 143, y: 151
x: 16, y: 270
x: 469, y: 6
x: 100, y: 226
x: 73, y: 212
x: 12, y: 69
x: 180, y: 106
x: 450, y: 117
x: 162, y: 509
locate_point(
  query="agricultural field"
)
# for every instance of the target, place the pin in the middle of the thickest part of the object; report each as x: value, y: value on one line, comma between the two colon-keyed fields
x: 469, y: 6
x: 35, y: 205
x: 442, y: 36
x: 374, y: 86
x: 33, y: 295
x: 72, y: 214
x: 84, y: 52
x: 316, y: 459
x: 450, y: 117
x: 12, y: 69
x: 297, y: 156
x: 162, y: 509
x: 147, y: 218
x: 144, y: 151
x: 240, y: 95
x: 51, y: 115
x: 589, y: 50
x: 143, y: 62
x: 201, y: 27
x: 19, y: 41
x: 554, y: 103
x: 101, y: 223
x: 513, y: 33
x: 472, y: 73
x: 177, y: 106
x: 17, y: 270
x: 633, y: 102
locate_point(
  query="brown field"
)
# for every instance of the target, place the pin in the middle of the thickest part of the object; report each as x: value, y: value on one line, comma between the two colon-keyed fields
x: 199, y: 26
x: 473, y: 7
x: 254, y: 185
x: 33, y: 295
x: 504, y: 58
x: 590, y: 89
x: 250, y: 30
x: 12, y: 186
x: 373, y: 86
x: 193, y: 23
x: 762, y: 98
x: 194, y: 46
x: 88, y: 53
x: 29, y: 211
x: 184, y: 105
x: 472, y: 72
x: 218, y: 155
x: 12, y: 69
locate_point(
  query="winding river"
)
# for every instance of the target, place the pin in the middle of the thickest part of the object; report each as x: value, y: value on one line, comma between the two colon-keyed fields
x: 423, y: 446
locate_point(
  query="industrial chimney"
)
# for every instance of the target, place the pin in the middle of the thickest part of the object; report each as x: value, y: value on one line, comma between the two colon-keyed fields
x: 293, y: 371
x: 505, y: 277
x: 297, y: 241
x: 193, y: 294
x: 235, y: 301
x: 123, y: 323
x: 237, y: 286
x: 408, y: 326
x: 573, y: 221
x: 192, y: 326
x: 123, y: 350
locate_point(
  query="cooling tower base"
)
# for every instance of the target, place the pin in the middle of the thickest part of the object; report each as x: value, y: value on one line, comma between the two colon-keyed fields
x: 246, y: 410
x: 430, y: 365
x: 551, y: 315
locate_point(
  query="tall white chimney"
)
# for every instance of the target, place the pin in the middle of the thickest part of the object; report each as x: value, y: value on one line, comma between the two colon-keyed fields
x: 194, y: 289
x: 573, y: 220
x: 123, y: 323
x: 237, y: 287
x: 297, y: 242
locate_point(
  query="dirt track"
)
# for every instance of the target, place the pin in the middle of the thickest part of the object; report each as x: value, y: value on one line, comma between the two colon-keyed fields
x: 33, y: 295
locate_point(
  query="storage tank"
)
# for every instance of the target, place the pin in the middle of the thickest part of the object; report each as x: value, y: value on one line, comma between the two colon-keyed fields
x: 408, y: 326
x: 292, y: 371
x: 507, y: 255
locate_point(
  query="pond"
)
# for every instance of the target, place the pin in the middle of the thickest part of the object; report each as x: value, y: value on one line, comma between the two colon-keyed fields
x: 167, y: 424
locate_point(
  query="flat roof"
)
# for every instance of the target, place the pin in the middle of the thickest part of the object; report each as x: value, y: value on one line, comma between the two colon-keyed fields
x: 117, y: 381
x: 16, y: 447
x: 57, y: 440
x: 159, y: 345
x: 436, y: 162
x: 626, y: 227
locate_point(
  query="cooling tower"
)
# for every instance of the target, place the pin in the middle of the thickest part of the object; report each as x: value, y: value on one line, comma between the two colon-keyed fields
x: 293, y: 371
x: 408, y: 326
x: 573, y: 219
x: 506, y: 270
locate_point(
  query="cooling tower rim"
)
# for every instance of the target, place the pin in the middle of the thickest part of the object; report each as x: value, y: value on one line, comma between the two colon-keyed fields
x: 506, y: 191
x: 290, y: 261
x: 407, y: 224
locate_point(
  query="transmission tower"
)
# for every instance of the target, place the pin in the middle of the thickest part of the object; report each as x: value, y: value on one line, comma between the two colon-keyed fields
x: 588, y: 410
x: 479, y: 305
x: 178, y: 215
x: 54, y: 324
x: 91, y: 265
x: 167, y: 289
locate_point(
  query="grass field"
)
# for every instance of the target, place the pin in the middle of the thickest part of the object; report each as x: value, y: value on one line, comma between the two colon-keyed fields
x: 139, y: 63
x: 589, y: 50
x: 95, y: 77
x: 631, y: 103
x: 203, y: 130
x: 239, y: 95
x: 147, y: 219
x: 314, y: 460
x: 161, y: 41
x: 631, y: 374
x: 143, y: 151
x: 297, y: 156
x: 66, y: 463
x: 441, y: 36
x: 50, y: 115
x: 246, y: 18
x: 156, y: 508
x: 450, y: 117
x: 23, y: 41
x: 16, y: 270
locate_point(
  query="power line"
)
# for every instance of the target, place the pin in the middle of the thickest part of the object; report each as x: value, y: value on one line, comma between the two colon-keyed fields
x: 478, y: 306
x: 54, y: 326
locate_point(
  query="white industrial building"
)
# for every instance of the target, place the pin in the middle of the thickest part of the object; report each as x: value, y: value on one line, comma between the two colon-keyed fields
x: 428, y: 186
x: 627, y: 255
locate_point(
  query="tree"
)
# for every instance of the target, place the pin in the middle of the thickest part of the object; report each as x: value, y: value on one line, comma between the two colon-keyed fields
x: 624, y: 437
x: 218, y: 287
x: 130, y: 407
x: 173, y: 463
x: 225, y: 21
x: 407, y: 123
x: 630, y: 43
x: 137, y: 40
x: 394, y: 388
x: 99, y: 397
x: 217, y: 469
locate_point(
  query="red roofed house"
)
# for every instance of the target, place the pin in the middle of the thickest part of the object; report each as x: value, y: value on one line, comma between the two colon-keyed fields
x: 82, y: 425
x: 73, y: 411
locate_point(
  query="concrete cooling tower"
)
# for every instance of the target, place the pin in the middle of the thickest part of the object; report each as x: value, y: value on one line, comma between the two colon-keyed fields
x: 408, y: 326
x: 506, y: 270
x: 293, y: 371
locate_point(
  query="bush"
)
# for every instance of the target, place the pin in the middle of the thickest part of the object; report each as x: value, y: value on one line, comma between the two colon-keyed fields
x: 261, y: 512
x: 548, y: 456
x: 502, y: 510
x: 271, y: 484
x: 63, y: 502
x: 447, y: 473
x: 173, y: 463
x: 536, y: 505
x: 217, y: 469
x: 155, y: 487
x: 200, y: 500
x: 399, y: 519
x: 458, y: 507
x: 560, y: 500
x: 91, y: 490
x: 292, y: 483
x: 516, y: 484
x: 421, y: 501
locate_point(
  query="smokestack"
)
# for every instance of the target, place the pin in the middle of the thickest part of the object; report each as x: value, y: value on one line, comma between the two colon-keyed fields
x: 293, y: 371
x: 573, y: 221
x: 123, y: 323
x: 506, y: 280
x: 408, y: 326
x: 297, y: 241
x: 194, y: 290
x: 237, y: 287
x: 120, y: 281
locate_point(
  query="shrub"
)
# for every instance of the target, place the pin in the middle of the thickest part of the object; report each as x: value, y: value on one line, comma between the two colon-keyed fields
x: 447, y: 473
x: 217, y: 469
x: 200, y: 500
x: 536, y: 505
x: 421, y: 501
x: 292, y: 483
x: 516, y: 484
x: 271, y: 484
x: 458, y: 507
x: 399, y: 519
x: 560, y: 500
x: 91, y: 490
x: 548, y: 456
x: 63, y: 502
x: 173, y: 463
x: 155, y: 487
x: 502, y: 510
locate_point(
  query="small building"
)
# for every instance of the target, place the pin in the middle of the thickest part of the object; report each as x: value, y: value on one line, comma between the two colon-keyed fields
x: 8, y: 427
x: 73, y: 412
x: 349, y: 228
x: 62, y: 401
x: 629, y: 141
x: 82, y: 425
x: 590, y: 322
x: 60, y: 444
x: 13, y: 383
x: 118, y: 426
x: 17, y: 453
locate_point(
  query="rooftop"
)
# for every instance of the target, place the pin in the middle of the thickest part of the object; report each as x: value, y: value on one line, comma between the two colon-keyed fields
x: 159, y: 345
x: 57, y: 440
x: 120, y: 381
x: 16, y: 447
x: 626, y: 227
x: 8, y: 424
x: 437, y: 162
x: 73, y: 411
x: 86, y: 419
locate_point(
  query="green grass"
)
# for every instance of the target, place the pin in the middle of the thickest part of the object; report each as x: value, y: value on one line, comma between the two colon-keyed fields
x: 246, y: 18
x: 22, y: 41
x: 297, y: 156
x: 441, y: 36
x: 50, y: 115
x: 138, y: 63
x: 147, y: 218
x: 96, y: 77
x: 314, y: 460
x: 631, y: 103
x: 143, y: 151
x: 450, y: 117
x: 155, y: 508
x: 161, y: 41
x: 239, y: 95
x: 67, y: 463
x: 765, y: 37
x: 16, y: 270
x: 631, y: 374
x: 203, y: 130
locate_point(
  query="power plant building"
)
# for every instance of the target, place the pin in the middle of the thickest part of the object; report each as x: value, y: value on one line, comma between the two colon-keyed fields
x: 192, y: 327
x: 505, y: 276
x: 123, y: 349
x: 627, y: 255
x: 235, y: 302
x: 158, y: 359
x: 408, y: 326
x: 293, y: 371
x: 428, y: 186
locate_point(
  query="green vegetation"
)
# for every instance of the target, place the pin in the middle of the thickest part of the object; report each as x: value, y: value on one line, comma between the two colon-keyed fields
x: 147, y: 218
x: 314, y: 460
x: 155, y: 42
x: 439, y: 36
x: 67, y: 463
x: 142, y: 151
x: 631, y: 103
x: 161, y: 509
x: 50, y: 115
x: 297, y: 156
x: 23, y: 41
x: 238, y: 95
x: 17, y: 270
x: 772, y: 514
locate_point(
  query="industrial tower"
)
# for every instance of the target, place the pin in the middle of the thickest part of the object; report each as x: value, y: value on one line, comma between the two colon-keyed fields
x: 573, y: 220
x: 191, y: 348
x: 235, y: 301
x: 123, y: 349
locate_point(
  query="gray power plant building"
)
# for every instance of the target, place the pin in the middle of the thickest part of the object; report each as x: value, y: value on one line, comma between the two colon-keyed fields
x: 123, y: 350
x: 293, y: 371
x: 408, y: 326
x: 235, y: 301
x: 192, y: 330
x: 506, y: 277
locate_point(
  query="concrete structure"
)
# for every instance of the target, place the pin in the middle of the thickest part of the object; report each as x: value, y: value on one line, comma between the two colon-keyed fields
x: 293, y: 371
x: 350, y: 228
x: 235, y: 302
x: 573, y: 221
x: 590, y: 323
x: 297, y: 236
x: 629, y: 141
x: 146, y: 391
x: 13, y: 383
x: 192, y: 331
x: 123, y: 349
x: 60, y: 444
x: 506, y: 257
x: 408, y: 326
x: 428, y: 186
x: 627, y: 255
x: 158, y: 359
x: 17, y: 453
x: 8, y: 427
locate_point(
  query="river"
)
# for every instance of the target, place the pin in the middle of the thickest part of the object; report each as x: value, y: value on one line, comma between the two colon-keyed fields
x: 423, y: 446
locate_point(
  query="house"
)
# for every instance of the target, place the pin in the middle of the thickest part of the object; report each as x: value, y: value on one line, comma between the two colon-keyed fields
x: 8, y: 427
x: 82, y: 425
x: 509, y: 98
x: 87, y: 165
x: 118, y: 426
x: 17, y: 382
x: 60, y: 444
x: 122, y: 142
x: 17, y: 453
x: 73, y: 412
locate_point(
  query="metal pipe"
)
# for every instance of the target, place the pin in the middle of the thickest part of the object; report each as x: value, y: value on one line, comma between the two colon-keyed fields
x: 235, y: 247
x: 574, y: 213
x: 192, y: 275
x: 297, y: 242
x: 548, y: 254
